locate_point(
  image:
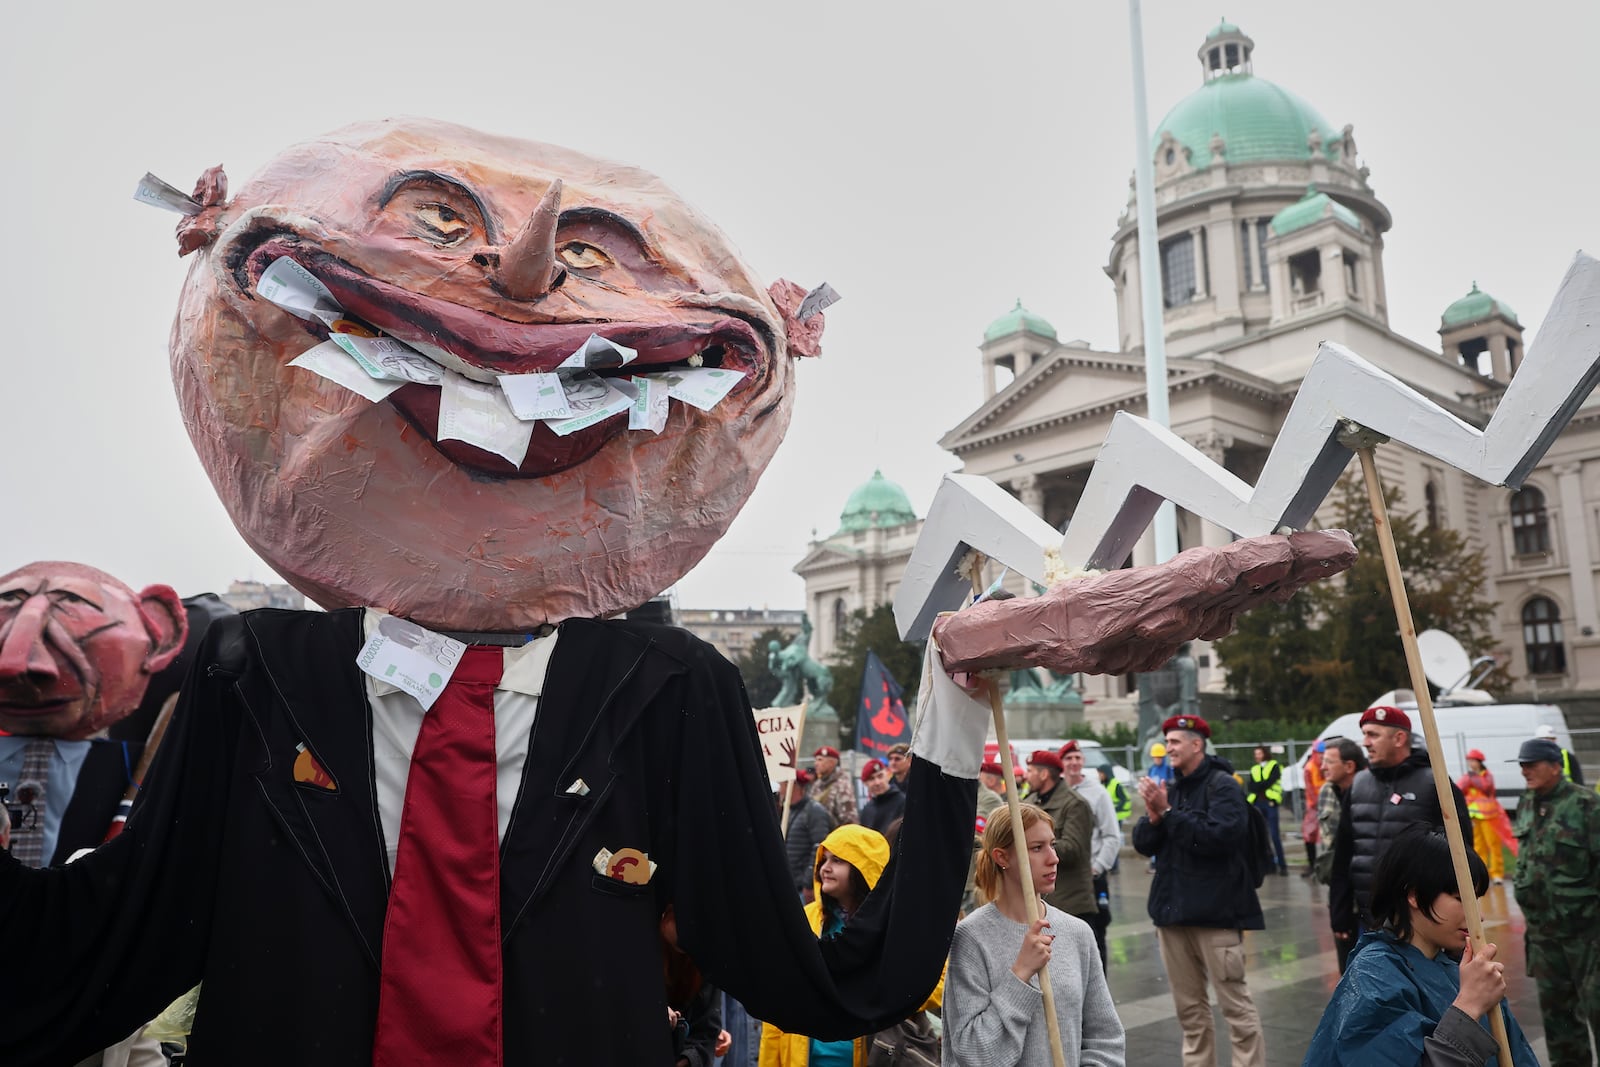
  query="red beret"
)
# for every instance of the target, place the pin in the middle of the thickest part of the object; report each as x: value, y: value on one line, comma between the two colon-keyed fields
x: 990, y: 767
x: 871, y: 767
x: 803, y: 776
x: 826, y: 750
x: 1192, y: 723
x: 1045, y: 758
x: 1070, y: 746
x: 1384, y: 715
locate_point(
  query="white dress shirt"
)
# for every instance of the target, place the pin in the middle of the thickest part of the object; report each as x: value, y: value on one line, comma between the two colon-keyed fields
x: 397, y: 719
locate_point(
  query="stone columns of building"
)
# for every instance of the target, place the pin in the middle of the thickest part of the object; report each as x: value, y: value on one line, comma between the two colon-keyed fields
x: 1574, y: 532
x: 1281, y: 293
x: 1258, y: 275
x: 1334, y: 289
x: 1197, y: 242
x: 1132, y: 323
x: 1144, y: 549
x: 1030, y: 492
x: 1222, y: 244
x: 1214, y: 446
x: 1500, y: 357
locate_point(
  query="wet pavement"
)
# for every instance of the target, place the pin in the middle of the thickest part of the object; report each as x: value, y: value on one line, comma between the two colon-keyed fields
x: 1291, y: 965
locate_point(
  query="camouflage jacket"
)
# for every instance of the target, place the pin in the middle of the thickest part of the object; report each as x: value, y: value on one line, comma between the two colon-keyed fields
x: 1558, y: 865
x: 836, y: 795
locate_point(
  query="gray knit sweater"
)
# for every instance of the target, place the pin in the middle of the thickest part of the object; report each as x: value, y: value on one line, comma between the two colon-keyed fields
x: 993, y: 1019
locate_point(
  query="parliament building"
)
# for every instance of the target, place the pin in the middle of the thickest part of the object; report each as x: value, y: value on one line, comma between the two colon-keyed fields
x: 1271, y: 241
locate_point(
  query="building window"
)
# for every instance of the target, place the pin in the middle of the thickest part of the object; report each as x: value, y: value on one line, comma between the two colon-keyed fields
x: 1530, y: 523
x: 1541, y: 637
x: 1475, y: 356
x: 1305, y: 273
x: 1430, y: 496
x: 1177, y: 270
x: 839, y: 615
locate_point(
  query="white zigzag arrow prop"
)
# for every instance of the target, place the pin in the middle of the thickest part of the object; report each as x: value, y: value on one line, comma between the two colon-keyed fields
x: 1141, y: 464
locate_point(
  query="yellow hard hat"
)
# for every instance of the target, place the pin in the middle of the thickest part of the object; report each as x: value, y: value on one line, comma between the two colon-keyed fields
x: 1158, y: 750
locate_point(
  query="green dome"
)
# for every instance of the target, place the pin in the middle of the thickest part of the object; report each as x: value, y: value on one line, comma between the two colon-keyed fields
x: 877, y: 502
x: 1257, y: 121
x: 1311, y: 209
x: 1017, y: 320
x: 1222, y: 27
x: 1477, y: 306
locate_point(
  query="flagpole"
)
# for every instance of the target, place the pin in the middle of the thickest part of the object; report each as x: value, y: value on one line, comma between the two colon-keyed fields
x: 1150, y: 293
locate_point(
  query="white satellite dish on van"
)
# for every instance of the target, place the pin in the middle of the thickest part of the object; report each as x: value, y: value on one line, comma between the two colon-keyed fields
x: 1449, y: 668
x: 1444, y: 661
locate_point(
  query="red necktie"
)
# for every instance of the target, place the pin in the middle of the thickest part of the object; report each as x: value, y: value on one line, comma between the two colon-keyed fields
x: 439, y: 993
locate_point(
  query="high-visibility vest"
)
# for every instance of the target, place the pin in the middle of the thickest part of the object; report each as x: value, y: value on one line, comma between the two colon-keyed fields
x: 1479, y: 793
x: 1259, y: 773
x: 1120, y: 799
x: 1566, y: 764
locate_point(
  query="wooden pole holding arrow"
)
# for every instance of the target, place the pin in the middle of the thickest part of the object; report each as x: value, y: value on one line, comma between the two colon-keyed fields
x: 1363, y: 442
x: 1030, y: 898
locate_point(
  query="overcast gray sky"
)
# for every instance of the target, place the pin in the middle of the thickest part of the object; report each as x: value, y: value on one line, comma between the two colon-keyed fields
x: 933, y: 162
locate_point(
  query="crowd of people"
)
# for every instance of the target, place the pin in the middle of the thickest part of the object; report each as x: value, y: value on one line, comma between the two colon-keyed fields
x: 1414, y: 989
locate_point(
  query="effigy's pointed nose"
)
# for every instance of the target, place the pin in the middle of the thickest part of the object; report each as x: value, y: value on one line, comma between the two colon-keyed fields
x: 528, y: 267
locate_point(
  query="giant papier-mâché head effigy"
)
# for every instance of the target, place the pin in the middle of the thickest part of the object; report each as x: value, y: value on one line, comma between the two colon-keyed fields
x: 78, y: 647
x: 490, y: 257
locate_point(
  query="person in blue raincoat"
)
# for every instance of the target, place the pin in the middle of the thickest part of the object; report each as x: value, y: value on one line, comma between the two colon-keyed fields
x: 1405, y: 1001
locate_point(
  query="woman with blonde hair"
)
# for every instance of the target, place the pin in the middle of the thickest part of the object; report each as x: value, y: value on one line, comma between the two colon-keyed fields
x: 993, y: 1007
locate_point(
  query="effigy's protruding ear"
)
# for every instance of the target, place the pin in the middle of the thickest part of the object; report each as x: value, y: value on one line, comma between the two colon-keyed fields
x: 197, y: 231
x: 805, y: 337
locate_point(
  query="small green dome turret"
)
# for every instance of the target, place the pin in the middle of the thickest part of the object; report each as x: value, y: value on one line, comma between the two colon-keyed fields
x: 877, y: 502
x: 1476, y: 306
x: 1223, y: 28
x: 1310, y: 209
x: 1018, y: 320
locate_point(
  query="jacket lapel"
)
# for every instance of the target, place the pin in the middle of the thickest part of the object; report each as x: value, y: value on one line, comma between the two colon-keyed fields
x: 602, y: 677
x: 306, y: 699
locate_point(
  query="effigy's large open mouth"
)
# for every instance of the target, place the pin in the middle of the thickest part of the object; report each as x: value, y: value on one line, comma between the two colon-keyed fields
x: 480, y: 347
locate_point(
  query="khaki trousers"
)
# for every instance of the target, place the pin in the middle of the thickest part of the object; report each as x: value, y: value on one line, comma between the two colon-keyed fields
x: 1191, y: 955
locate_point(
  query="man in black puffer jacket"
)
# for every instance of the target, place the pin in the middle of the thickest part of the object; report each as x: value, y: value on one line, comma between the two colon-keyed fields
x: 1203, y: 896
x: 1394, y: 791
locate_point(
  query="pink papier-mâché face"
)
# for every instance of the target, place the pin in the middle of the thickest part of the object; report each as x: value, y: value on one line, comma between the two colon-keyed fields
x: 463, y: 245
x: 78, y: 647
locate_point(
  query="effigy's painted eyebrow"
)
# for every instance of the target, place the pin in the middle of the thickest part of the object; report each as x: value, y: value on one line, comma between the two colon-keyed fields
x: 408, y: 178
x: 605, y: 218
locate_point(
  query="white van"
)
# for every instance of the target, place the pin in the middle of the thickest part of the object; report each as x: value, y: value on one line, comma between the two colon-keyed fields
x: 1496, y: 729
x: 1094, y: 756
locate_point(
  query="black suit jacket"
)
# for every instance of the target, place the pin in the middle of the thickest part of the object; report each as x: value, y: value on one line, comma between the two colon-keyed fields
x: 102, y: 781
x: 274, y: 891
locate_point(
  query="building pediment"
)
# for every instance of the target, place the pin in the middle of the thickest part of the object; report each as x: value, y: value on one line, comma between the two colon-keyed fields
x: 1068, y: 380
x: 826, y: 555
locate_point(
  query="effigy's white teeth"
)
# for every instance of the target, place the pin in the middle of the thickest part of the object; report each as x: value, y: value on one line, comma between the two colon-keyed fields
x: 697, y: 360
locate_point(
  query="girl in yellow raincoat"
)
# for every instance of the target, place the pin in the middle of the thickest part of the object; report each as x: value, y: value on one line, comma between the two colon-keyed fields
x: 849, y: 863
x: 1491, y: 828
